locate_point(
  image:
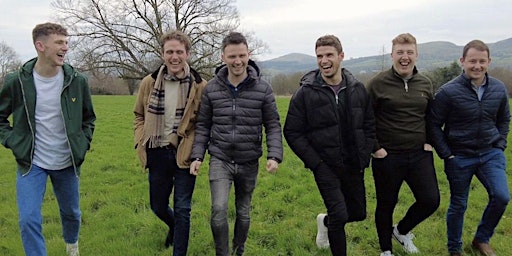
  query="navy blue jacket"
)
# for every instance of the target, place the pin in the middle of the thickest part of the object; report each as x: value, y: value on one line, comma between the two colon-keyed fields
x: 460, y: 124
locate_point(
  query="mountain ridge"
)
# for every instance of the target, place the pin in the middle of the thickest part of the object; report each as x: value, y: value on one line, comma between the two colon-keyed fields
x: 432, y: 55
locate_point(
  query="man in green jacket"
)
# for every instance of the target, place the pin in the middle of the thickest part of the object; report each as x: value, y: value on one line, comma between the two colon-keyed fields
x: 53, y: 123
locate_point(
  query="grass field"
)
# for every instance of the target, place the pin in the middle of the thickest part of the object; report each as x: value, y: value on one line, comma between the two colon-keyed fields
x: 117, y: 219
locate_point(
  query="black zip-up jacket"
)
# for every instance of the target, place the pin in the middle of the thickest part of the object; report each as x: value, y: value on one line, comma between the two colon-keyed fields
x: 313, y: 127
x: 230, y: 120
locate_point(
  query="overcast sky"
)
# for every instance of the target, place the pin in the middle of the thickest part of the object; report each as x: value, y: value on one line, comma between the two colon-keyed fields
x: 365, y: 27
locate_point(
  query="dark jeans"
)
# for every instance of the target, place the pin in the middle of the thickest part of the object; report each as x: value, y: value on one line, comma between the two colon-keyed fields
x: 343, y: 193
x: 222, y: 174
x: 489, y: 168
x: 417, y: 170
x: 164, y: 174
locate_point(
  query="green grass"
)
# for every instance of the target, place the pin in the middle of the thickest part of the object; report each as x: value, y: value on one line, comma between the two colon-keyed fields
x: 117, y: 219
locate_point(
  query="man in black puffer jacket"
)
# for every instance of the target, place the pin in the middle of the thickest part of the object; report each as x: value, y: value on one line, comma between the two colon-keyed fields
x: 330, y: 126
x: 236, y: 105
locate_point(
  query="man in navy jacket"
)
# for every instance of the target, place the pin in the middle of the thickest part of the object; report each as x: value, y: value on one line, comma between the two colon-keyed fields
x: 469, y: 124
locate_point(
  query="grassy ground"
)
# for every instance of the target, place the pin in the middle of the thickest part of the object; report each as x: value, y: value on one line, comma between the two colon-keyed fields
x: 117, y: 219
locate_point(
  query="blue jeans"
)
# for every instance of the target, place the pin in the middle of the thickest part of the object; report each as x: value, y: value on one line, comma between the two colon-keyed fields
x: 164, y: 174
x: 489, y: 168
x: 416, y: 168
x: 222, y: 175
x: 30, y: 190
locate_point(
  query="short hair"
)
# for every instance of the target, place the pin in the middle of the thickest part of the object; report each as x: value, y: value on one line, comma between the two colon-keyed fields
x: 178, y: 36
x: 46, y: 29
x: 476, y: 44
x: 234, y: 38
x: 405, y: 38
x: 329, y: 40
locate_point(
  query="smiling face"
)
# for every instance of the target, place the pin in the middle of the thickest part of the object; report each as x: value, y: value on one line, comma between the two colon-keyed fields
x: 52, y: 49
x: 404, y: 58
x: 236, y: 57
x: 175, y: 57
x: 329, y: 62
x: 475, y: 64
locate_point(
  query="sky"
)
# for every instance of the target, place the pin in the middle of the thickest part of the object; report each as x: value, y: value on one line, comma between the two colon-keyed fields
x: 365, y: 27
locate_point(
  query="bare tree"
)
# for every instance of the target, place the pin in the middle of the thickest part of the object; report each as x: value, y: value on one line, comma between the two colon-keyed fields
x: 121, y: 37
x: 9, y: 61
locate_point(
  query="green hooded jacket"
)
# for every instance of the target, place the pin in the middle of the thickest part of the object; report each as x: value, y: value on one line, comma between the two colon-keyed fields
x: 18, y: 97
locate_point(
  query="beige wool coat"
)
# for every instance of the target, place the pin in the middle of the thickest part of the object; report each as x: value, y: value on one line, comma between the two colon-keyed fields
x: 186, y: 128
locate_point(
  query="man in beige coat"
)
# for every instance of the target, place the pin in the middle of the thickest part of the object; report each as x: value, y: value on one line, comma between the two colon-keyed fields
x: 165, y: 114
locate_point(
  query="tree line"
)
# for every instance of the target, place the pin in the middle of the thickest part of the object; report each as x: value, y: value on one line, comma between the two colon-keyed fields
x: 286, y: 84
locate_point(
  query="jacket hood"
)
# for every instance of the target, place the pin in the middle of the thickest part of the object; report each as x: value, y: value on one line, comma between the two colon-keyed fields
x: 314, y: 78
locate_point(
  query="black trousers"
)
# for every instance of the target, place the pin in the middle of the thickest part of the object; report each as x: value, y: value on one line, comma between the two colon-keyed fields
x: 417, y: 170
x: 344, y: 197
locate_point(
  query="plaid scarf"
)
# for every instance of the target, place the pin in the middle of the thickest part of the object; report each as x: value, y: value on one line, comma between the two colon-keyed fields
x: 154, y: 122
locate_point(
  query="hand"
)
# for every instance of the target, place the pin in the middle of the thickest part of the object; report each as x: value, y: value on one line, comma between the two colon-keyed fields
x: 272, y: 166
x: 381, y: 153
x: 194, y: 167
x: 427, y: 147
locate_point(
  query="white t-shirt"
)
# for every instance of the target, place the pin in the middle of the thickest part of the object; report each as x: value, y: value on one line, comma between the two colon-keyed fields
x: 51, y: 150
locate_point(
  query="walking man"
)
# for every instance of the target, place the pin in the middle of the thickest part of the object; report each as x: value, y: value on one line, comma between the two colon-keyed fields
x: 330, y: 127
x: 53, y: 123
x: 402, y: 153
x: 164, y: 127
x: 469, y: 124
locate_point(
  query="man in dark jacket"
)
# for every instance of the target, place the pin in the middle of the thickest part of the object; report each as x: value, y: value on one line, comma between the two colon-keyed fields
x: 235, y: 107
x: 53, y: 123
x: 331, y: 128
x: 469, y: 124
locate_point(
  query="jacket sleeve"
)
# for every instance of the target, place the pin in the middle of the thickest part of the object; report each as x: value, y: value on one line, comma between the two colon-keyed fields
x: 295, y: 131
x: 139, y: 111
x: 437, y: 117
x: 5, y: 112
x: 368, y: 128
x: 375, y: 107
x: 503, y: 122
x: 203, y: 126
x: 272, y: 126
x: 88, y: 116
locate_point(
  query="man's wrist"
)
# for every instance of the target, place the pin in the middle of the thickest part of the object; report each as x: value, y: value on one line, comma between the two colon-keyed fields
x: 274, y: 158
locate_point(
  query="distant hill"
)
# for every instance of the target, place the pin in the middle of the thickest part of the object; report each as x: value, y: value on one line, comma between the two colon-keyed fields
x: 431, y: 55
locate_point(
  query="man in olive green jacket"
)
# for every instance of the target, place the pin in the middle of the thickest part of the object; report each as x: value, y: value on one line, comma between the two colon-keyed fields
x: 53, y: 123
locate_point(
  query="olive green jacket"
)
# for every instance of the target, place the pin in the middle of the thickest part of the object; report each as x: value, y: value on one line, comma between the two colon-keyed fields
x: 18, y: 98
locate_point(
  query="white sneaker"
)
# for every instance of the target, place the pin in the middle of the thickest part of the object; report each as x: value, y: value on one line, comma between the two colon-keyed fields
x: 405, y: 240
x: 386, y: 253
x: 322, y: 239
x: 72, y: 249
